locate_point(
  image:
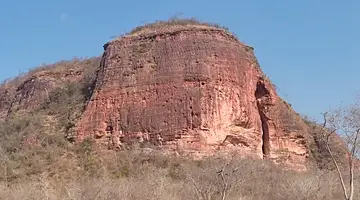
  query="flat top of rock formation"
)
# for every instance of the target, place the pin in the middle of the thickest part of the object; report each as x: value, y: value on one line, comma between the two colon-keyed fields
x: 173, y: 25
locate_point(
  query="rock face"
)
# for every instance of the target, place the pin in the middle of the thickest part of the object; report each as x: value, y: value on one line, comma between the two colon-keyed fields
x: 191, y: 88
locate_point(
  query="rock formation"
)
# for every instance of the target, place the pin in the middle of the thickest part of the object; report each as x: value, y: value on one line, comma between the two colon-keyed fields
x: 190, y: 88
x: 193, y: 88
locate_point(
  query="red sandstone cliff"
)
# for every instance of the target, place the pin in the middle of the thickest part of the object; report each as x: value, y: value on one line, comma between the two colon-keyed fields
x: 192, y: 88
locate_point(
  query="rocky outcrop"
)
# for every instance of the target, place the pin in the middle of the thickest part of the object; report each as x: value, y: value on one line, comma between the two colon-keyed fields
x: 192, y: 88
x: 31, y: 90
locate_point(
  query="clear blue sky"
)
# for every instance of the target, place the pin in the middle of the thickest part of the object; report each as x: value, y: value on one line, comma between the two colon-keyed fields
x: 309, y: 48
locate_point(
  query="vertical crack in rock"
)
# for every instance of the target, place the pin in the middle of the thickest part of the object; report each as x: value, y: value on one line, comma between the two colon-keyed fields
x: 265, y: 132
x: 261, y: 95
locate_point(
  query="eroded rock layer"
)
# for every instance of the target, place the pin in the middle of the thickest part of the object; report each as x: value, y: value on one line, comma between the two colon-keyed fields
x: 191, y: 89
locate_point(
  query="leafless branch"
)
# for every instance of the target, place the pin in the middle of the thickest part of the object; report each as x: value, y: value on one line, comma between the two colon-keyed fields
x: 325, y: 138
x: 347, y: 122
x: 197, y: 189
x: 351, y: 164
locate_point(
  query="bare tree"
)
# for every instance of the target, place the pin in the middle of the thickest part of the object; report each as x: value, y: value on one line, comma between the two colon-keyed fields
x: 226, y: 178
x: 345, y: 121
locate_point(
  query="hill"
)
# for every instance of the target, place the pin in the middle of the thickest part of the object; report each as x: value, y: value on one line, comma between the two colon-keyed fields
x: 178, y: 86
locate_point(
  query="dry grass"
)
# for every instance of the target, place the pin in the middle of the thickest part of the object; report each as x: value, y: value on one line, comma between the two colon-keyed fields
x: 174, y: 23
x: 138, y: 174
x: 84, y: 64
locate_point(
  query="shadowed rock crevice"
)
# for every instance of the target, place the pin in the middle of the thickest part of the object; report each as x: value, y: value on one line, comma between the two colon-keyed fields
x: 261, y: 95
x: 265, y: 134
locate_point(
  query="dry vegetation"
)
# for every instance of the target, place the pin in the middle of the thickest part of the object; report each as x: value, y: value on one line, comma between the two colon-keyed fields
x: 60, y: 67
x: 174, y: 22
x: 149, y: 175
